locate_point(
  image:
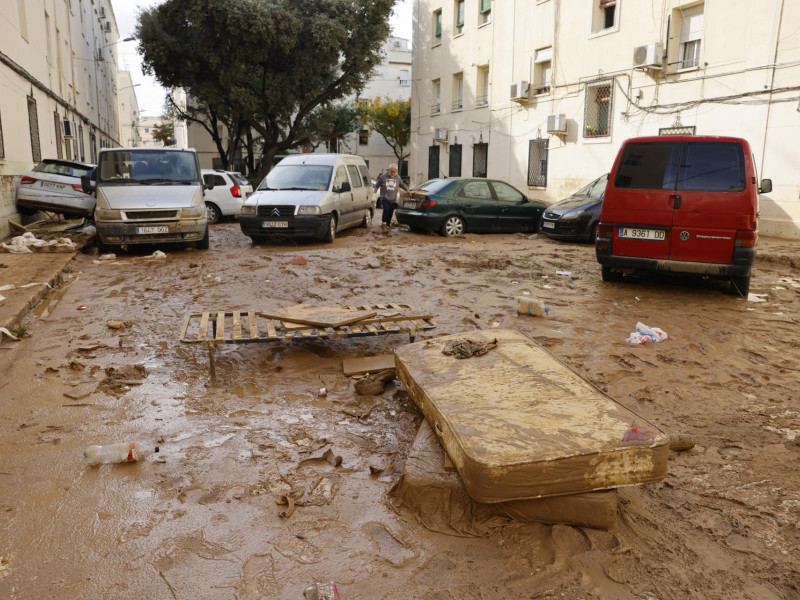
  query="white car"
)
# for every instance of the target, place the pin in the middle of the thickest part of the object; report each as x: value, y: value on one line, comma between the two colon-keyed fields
x: 54, y: 185
x: 230, y: 191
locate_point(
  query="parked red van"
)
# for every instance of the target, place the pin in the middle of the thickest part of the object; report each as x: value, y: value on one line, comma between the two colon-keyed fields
x: 686, y: 204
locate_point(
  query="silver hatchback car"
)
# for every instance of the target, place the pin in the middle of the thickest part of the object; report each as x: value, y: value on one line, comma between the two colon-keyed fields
x: 54, y: 185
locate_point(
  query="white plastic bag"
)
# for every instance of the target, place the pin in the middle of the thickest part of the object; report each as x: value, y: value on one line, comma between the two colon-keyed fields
x: 645, y: 334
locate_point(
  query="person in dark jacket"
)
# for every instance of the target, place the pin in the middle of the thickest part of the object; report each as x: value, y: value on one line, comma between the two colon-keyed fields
x: 388, y: 184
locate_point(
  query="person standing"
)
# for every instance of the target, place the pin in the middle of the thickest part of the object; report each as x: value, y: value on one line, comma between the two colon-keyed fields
x: 388, y: 184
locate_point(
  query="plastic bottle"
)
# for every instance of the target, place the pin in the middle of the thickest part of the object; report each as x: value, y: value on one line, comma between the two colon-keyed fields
x: 322, y: 591
x: 530, y: 306
x: 116, y: 453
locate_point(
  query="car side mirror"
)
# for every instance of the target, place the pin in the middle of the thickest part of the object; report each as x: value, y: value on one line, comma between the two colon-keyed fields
x: 345, y: 187
x: 86, y: 184
x: 766, y: 186
x: 524, y: 200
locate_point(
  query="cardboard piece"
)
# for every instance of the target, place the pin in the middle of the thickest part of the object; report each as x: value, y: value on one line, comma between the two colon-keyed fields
x: 319, y: 316
x: 367, y: 364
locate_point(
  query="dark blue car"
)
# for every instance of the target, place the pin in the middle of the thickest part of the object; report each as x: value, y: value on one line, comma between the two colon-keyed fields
x: 576, y: 217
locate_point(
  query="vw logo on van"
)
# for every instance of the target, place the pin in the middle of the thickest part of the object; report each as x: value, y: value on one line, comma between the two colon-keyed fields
x: 684, y: 235
x: 276, y: 212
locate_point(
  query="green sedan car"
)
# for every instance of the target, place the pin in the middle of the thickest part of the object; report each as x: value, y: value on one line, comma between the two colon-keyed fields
x: 453, y: 207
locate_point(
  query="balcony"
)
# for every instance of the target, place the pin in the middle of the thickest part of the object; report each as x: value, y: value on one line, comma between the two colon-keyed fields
x: 482, y: 100
x: 458, y: 104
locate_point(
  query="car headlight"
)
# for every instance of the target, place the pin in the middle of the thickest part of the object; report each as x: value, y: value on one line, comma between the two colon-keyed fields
x: 309, y: 210
x: 572, y: 215
x: 195, y: 212
x: 107, y: 214
x: 248, y: 209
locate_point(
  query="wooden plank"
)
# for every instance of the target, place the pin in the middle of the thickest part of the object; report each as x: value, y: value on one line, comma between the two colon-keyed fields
x: 318, y: 316
x: 271, y: 333
x: 251, y: 317
x: 381, y: 306
x: 371, y: 328
x: 367, y: 364
x: 220, y: 326
x: 186, y: 322
x: 237, y: 325
x: 202, y: 333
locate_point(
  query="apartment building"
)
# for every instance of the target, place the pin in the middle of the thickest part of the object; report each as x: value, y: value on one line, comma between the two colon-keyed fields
x: 541, y: 93
x: 58, y: 87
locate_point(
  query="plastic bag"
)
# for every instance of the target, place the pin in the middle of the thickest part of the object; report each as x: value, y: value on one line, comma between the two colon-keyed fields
x: 644, y: 334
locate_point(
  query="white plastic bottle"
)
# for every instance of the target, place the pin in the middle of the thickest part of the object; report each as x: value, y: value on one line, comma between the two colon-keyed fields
x: 530, y: 306
x: 116, y: 453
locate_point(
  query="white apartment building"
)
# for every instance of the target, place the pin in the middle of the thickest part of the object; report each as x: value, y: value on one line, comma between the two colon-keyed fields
x: 541, y: 93
x: 58, y: 87
x: 128, y: 111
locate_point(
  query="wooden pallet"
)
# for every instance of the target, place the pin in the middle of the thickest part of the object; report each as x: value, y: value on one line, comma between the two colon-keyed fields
x: 251, y: 326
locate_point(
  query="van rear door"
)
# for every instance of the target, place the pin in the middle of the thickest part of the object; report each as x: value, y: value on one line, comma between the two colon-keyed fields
x: 711, y: 201
x: 644, y: 196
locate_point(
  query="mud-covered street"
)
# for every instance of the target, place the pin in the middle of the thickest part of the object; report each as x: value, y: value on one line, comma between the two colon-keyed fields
x: 200, y: 520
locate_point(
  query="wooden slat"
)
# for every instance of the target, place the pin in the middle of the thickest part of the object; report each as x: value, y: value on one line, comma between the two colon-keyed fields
x: 371, y: 328
x: 186, y: 322
x: 251, y: 317
x: 202, y: 333
x: 220, y: 326
x: 271, y: 329
x: 237, y: 325
x: 381, y: 306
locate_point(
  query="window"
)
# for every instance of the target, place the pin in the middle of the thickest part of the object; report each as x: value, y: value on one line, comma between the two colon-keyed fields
x: 476, y: 189
x: 433, y: 161
x: 690, y: 36
x: 480, y: 156
x: 341, y: 177
x: 597, y: 110
x: 405, y: 78
x: 92, y: 148
x: 712, y: 167
x: 364, y: 170
x: 59, y: 148
x: 485, y: 15
x: 355, y: 176
x: 506, y: 193
x: 459, y: 15
x: 604, y: 15
x: 363, y: 137
x: 458, y: 91
x: 23, y: 20
x: 537, y: 163
x: 482, y: 99
x: 543, y: 70
x: 455, y: 161
x: 437, y: 27
x: 436, y: 103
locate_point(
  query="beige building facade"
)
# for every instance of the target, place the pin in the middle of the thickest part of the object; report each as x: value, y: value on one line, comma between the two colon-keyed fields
x: 541, y: 93
x: 58, y: 87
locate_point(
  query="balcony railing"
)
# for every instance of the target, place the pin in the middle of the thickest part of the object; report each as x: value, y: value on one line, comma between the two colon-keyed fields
x: 458, y: 104
x: 436, y: 108
x: 482, y: 100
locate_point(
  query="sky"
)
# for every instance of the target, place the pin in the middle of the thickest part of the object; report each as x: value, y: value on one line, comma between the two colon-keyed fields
x: 149, y: 94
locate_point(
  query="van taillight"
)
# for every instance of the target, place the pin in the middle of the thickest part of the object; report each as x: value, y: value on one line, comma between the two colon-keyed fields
x: 605, y: 230
x: 746, y: 239
x: 427, y: 203
x: 25, y: 179
x: 236, y: 191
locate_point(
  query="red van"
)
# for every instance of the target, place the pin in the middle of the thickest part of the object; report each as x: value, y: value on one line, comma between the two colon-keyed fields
x: 686, y: 204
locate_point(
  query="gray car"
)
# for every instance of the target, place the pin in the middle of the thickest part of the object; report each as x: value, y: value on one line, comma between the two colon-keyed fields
x: 54, y: 185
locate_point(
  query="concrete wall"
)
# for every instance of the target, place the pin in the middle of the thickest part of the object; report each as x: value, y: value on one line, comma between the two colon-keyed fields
x: 746, y: 84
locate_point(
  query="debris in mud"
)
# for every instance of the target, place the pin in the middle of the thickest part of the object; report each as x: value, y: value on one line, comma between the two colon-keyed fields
x: 114, y: 324
x: 119, y: 380
x: 286, y: 500
x: 374, y: 384
x: 384, y: 468
x: 362, y: 415
x: 106, y: 257
x: 299, y: 261
x: 322, y: 591
x: 323, y: 392
x: 645, y: 334
x: 81, y: 391
x: 90, y: 347
x: 328, y: 456
x: 76, y: 365
x: 467, y: 348
x: 323, y: 491
x: 6, y: 332
x: 681, y: 441
x: 367, y: 364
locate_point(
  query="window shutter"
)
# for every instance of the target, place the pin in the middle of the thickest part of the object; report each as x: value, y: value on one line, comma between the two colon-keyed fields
x: 486, y: 6
x: 460, y: 18
x: 691, y: 25
x: 544, y: 55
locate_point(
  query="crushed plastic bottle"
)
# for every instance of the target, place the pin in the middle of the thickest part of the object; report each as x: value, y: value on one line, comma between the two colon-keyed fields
x: 117, y: 453
x: 531, y: 306
x: 322, y: 591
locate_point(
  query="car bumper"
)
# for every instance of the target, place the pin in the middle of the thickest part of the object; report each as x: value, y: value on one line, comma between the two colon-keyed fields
x: 743, y: 259
x: 127, y: 234
x: 418, y: 220
x: 566, y: 230
x: 79, y: 206
x: 314, y: 226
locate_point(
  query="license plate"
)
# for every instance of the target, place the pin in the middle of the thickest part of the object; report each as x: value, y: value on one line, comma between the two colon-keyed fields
x: 548, y: 225
x: 642, y: 234
x: 146, y: 230
x: 52, y: 186
x: 275, y: 224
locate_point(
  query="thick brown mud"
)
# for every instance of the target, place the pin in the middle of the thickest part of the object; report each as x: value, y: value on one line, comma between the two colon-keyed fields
x: 201, y: 519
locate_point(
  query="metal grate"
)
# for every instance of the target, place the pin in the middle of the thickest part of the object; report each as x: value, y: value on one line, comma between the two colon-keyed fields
x: 275, y: 211
x: 151, y: 214
x: 537, y: 163
x: 676, y: 131
x: 433, y: 162
x: 455, y: 160
x: 480, y: 159
x: 597, y: 109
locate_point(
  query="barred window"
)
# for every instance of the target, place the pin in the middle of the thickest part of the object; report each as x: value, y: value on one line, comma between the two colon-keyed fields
x: 433, y: 161
x: 537, y: 163
x: 480, y: 159
x: 455, y: 161
x: 598, y: 107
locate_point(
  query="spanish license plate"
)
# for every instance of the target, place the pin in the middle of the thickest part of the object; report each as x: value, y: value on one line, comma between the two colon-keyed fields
x: 548, y: 225
x: 275, y: 224
x: 146, y: 230
x: 642, y: 234
x: 52, y: 186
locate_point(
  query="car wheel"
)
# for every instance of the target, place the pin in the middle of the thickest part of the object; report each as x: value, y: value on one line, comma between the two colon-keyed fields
x: 740, y: 286
x: 610, y: 274
x: 330, y: 235
x: 213, y: 212
x: 205, y: 242
x: 453, y: 226
x: 367, y: 222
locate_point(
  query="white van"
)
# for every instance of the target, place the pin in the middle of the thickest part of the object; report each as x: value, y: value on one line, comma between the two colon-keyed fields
x: 311, y: 196
x: 147, y: 196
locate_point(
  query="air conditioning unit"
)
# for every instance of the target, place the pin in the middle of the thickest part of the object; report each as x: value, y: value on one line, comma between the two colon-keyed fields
x: 519, y: 90
x: 107, y: 26
x: 102, y: 12
x: 649, y: 56
x: 100, y: 54
x: 557, y: 123
x: 440, y: 135
x: 68, y: 128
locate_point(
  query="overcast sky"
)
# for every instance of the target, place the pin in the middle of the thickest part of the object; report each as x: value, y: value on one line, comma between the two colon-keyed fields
x: 149, y: 94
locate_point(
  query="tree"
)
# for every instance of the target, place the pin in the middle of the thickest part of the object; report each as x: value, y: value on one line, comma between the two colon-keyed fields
x: 331, y: 123
x: 391, y: 119
x: 269, y: 62
x: 164, y: 132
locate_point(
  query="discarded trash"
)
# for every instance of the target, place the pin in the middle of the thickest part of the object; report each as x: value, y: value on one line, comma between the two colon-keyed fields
x: 299, y: 261
x: 4, y: 331
x: 644, y: 334
x: 322, y: 591
x: 531, y: 306
x: 323, y: 392
x: 159, y: 254
x: 27, y: 242
x: 117, y: 453
x: 112, y: 324
x: 82, y: 307
x: 681, y: 441
x: 567, y: 273
x: 286, y: 500
x: 89, y: 230
x: 374, y: 384
x: 468, y: 348
x: 639, y: 433
x: 105, y: 257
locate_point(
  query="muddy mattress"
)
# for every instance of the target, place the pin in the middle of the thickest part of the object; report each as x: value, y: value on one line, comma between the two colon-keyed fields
x: 519, y: 424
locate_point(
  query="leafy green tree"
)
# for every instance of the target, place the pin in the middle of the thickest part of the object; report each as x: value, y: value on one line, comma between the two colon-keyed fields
x: 331, y: 123
x: 270, y: 62
x: 392, y: 120
x: 164, y: 132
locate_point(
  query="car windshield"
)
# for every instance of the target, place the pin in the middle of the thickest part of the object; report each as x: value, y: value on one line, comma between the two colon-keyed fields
x: 148, y: 167
x: 596, y: 189
x: 434, y: 185
x: 58, y: 167
x: 298, y: 177
x: 238, y: 178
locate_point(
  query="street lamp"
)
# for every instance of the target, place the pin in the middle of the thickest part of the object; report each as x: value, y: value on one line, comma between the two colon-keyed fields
x: 127, y: 39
